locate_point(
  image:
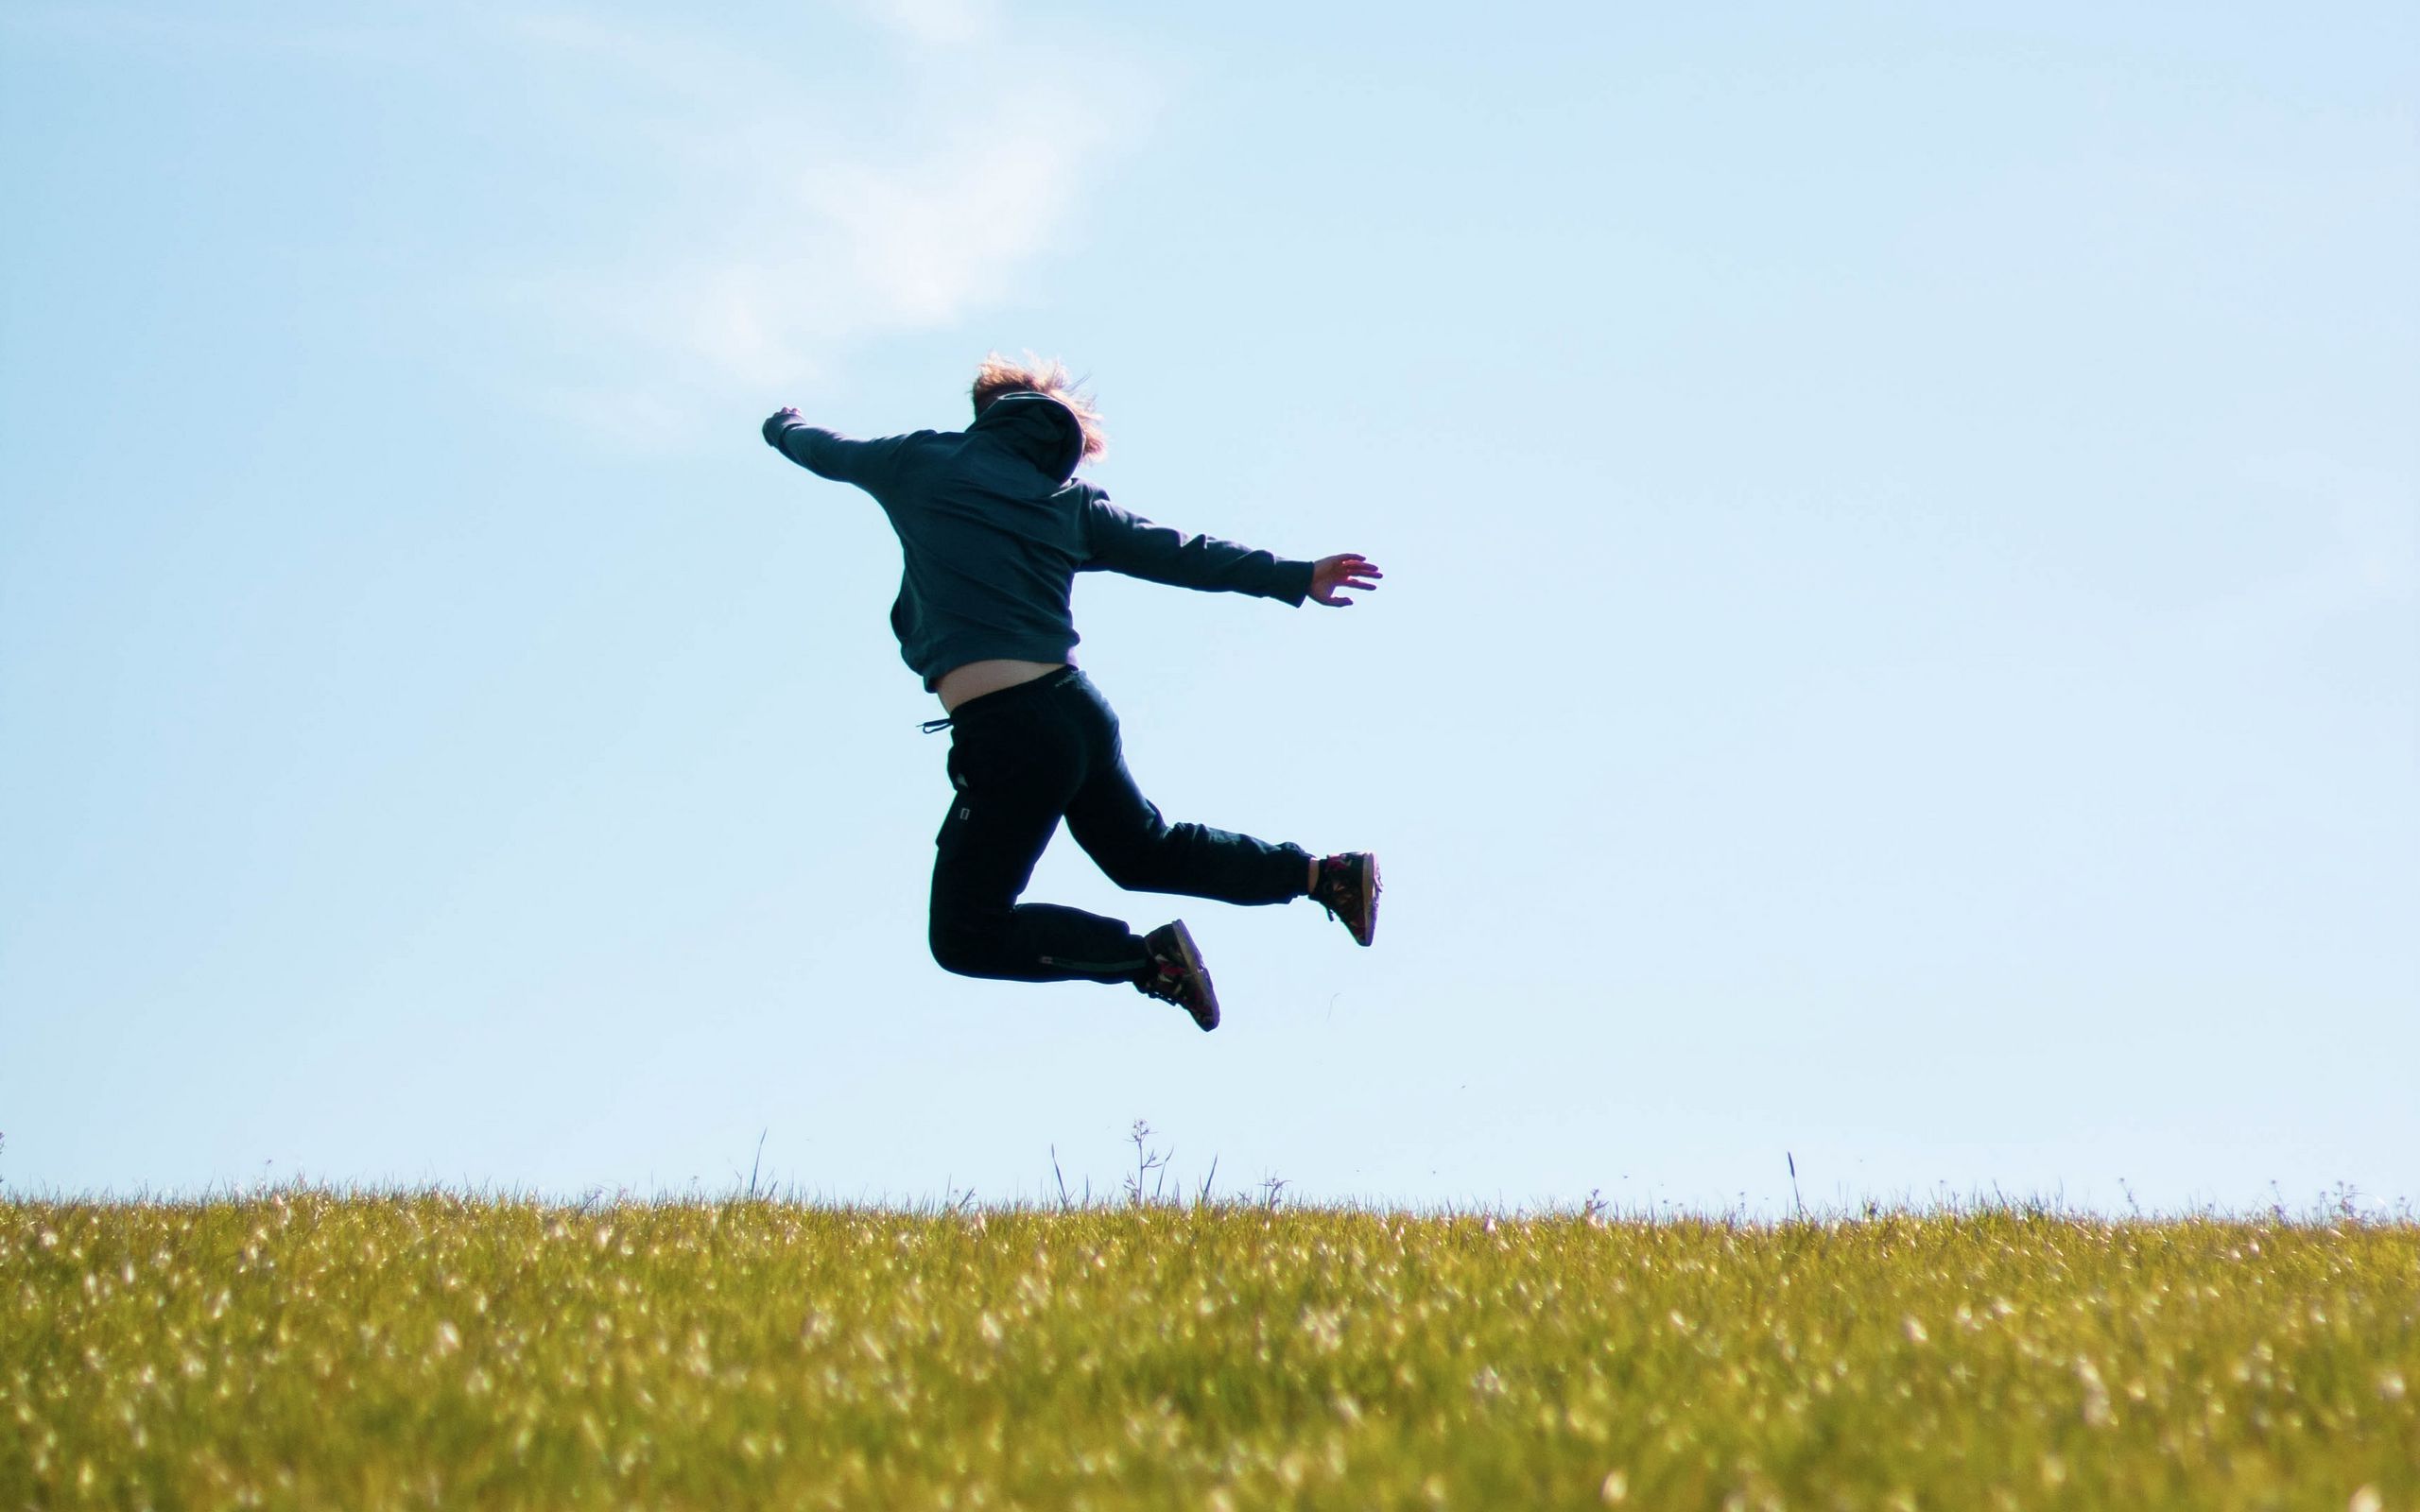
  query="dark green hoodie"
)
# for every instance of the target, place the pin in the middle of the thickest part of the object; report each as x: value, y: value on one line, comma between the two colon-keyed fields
x: 994, y: 527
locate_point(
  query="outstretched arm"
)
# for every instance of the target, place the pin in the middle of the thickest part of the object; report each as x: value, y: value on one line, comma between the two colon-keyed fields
x: 1125, y: 542
x: 829, y: 454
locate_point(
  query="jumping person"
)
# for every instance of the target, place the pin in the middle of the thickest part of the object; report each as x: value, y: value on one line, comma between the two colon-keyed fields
x: 994, y: 525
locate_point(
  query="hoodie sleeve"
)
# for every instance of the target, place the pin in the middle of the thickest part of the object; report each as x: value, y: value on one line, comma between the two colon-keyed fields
x: 870, y: 465
x: 1121, y: 541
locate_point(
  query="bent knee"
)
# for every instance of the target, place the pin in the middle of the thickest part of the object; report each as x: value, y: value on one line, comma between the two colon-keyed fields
x: 967, y: 947
x: 955, y: 955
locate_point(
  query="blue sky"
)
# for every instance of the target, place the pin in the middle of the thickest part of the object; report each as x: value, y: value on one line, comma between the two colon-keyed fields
x: 1899, y: 647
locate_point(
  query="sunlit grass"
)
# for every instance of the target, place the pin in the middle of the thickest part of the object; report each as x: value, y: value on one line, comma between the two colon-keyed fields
x: 308, y: 1349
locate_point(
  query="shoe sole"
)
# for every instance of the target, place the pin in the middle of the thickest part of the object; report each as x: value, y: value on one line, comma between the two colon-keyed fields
x: 1207, y: 1014
x: 1368, y: 931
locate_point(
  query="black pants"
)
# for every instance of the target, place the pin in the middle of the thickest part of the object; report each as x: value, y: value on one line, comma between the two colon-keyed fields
x: 1022, y: 758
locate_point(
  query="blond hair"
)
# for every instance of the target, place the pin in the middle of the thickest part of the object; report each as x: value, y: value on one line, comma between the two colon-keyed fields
x: 999, y: 375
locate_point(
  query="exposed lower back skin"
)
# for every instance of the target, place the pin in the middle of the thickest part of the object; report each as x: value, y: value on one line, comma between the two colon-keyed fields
x: 976, y: 679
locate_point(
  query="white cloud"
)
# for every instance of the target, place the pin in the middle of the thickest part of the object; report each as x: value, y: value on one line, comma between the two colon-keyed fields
x: 928, y: 241
x: 938, y: 21
x: 2366, y: 558
x: 767, y: 202
x: 781, y: 218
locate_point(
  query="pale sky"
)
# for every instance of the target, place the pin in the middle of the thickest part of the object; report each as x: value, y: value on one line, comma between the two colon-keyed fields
x: 1900, y: 649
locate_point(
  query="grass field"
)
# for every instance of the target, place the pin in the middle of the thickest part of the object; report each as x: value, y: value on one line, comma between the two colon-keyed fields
x: 308, y: 1349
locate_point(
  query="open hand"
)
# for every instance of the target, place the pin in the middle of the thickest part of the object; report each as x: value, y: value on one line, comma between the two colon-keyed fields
x: 1330, y: 575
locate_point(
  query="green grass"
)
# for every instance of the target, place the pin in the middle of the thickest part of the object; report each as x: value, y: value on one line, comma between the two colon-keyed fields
x: 309, y: 1350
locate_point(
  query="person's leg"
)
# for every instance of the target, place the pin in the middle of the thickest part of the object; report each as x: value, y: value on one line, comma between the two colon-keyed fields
x: 1014, y: 767
x: 1137, y: 848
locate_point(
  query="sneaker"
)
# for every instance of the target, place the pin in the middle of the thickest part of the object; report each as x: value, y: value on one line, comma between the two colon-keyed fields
x: 1177, y: 974
x: 1348, y: 889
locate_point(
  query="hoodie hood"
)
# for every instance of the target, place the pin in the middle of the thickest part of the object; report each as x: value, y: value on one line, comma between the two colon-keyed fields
x: 1038, y: 429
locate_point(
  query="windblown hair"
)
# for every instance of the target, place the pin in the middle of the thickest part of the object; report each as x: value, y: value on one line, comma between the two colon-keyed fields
x: 1040, y: 375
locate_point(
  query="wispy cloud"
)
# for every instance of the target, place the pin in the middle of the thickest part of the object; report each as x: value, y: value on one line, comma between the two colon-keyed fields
x: 780, y: 217
x: 739, y: 212
x: 938, y: 21
x: 2365, y: 558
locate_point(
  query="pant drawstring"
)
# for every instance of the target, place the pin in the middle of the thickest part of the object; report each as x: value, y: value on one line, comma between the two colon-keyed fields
x: 934, y: 726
